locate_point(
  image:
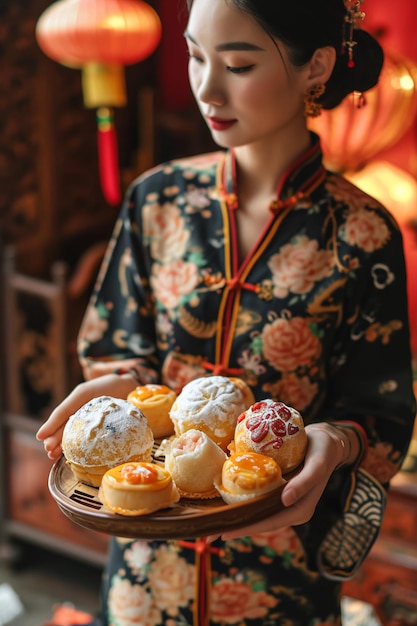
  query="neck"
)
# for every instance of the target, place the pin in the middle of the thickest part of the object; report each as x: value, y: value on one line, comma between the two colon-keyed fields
x: 261, y: 166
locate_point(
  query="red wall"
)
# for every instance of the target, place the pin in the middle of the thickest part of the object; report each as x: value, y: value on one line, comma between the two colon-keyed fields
x: 174, y: 90
x: 398, y: 19
x: 398, y: 22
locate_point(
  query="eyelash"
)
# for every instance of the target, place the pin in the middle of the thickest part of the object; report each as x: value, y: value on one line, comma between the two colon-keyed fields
x: 233, y: 70
x: 240, y: 70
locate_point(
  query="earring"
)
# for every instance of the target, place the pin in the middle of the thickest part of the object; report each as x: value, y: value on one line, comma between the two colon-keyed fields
x: 312, y: 108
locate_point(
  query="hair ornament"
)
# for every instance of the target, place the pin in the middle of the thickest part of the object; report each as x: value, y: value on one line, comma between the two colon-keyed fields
x: 353, y: 16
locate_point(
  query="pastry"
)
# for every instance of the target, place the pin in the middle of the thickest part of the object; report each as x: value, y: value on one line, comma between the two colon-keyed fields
x: 272, y: 428
x: 248, y: 475
x: 211, y: 404
x: 246, y: 391
x: 137, y: 488
x: 104, y: 433
x: 155, y: 401
x: 195, y: 462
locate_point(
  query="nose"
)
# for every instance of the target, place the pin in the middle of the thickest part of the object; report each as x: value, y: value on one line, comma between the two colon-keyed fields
x: 209, y: 88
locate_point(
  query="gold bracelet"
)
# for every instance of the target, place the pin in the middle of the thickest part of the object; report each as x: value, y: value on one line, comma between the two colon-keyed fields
x: 343, y: 444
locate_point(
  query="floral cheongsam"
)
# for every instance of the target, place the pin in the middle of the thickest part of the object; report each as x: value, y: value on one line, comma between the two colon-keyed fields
x: 315, y: 316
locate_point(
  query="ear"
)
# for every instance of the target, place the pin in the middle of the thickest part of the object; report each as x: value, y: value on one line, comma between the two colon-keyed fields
x: 321, y: 66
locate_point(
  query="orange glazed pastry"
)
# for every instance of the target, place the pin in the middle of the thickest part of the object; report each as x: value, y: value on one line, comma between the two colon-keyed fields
x: 211, y: 404
x: 103, y: 433
x: 275, y: 429
x: 248, y: 475
x: 155, y: 401
x: 137, y: 489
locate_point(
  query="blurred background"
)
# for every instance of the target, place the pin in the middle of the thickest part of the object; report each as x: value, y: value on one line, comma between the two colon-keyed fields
x: 59, y: 134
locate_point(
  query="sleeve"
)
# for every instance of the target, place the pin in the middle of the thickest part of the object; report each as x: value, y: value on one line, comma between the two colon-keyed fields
x: 371, y: 389
x: 371, y: 382
x: 117, y: 333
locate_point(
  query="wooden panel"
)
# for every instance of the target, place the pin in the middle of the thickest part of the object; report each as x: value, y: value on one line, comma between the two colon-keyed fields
x: 35, y: 339
x: 51, y: 203
x: 28, y: 499
x: 400, y: 519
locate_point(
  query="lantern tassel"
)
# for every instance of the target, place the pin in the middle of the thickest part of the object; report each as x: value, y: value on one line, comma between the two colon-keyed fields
x: 108, y: 156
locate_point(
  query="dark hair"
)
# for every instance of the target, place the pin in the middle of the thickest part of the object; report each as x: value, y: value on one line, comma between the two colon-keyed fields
x: 303, y: 26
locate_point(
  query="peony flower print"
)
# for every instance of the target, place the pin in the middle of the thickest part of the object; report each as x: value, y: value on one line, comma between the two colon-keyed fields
x: 131, y: 605
x: 289, y: 343
x: 172, y: 580
x: 365, y: 229
x: 164, y: 228
x: 297, y: 267
x: 173, y: 281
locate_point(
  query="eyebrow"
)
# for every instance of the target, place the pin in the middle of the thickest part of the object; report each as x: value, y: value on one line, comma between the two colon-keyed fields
x: 228, y: 45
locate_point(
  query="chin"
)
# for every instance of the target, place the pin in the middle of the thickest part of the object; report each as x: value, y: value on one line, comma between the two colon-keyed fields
x: 224, y: 142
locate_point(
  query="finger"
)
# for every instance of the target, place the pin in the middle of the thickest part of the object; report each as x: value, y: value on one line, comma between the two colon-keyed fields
x: 44, y: 432
x: 54, y: 453
x: 51, y: 426
x: 59, y: 416
x: 275, y: 522
x: 299, y: 486
x: 52, y: 444
x: 300, y: 513
x: 294, y: 492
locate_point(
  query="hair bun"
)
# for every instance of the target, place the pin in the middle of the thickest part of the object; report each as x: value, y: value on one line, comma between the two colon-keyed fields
x: 368, y: 57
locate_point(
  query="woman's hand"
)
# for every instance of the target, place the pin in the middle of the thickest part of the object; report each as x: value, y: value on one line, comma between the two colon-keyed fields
x: 110, y: 385
x: 325, y: 451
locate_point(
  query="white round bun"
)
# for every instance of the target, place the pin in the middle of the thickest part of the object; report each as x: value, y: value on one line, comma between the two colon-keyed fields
x: 247, y: 392
x: 104, y: 433
x: 210, y: 404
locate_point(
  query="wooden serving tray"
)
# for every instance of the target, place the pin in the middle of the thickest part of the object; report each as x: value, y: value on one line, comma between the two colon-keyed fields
x: 187, y: 519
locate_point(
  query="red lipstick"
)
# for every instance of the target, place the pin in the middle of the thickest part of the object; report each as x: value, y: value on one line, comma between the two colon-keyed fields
x: 217, y: 123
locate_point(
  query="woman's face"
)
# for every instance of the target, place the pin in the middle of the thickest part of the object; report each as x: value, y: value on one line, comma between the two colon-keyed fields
x: 242, y: 79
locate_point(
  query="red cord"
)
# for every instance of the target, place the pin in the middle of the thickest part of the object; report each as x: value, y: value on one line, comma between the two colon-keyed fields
x: 203, y: 552
x: 108, y: 156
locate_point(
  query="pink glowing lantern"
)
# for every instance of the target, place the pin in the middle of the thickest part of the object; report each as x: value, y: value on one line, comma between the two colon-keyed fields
x: 351, y: 135
x: 100, y: 37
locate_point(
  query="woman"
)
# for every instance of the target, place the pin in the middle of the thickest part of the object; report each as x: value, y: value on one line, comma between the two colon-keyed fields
x: 256, y: 262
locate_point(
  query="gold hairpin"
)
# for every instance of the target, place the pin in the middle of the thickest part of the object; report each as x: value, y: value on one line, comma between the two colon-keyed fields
x: 353, y: 16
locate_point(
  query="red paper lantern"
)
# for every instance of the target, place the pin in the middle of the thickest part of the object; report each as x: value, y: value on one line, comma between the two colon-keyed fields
x: 351, y: 136
x: 100, y: 37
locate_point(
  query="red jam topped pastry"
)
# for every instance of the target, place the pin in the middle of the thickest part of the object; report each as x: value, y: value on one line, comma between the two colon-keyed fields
x: 275, y: 429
